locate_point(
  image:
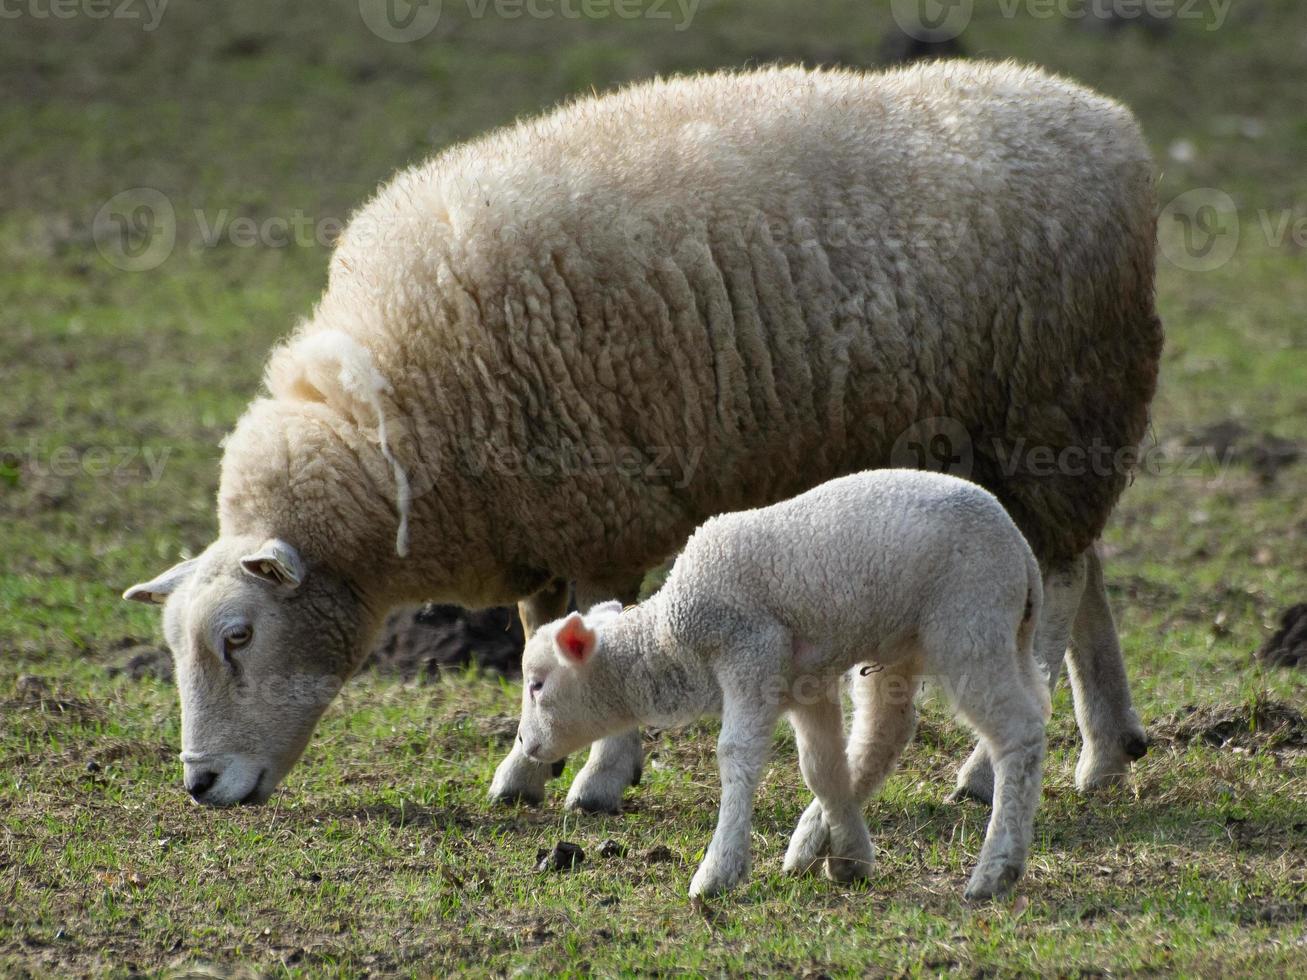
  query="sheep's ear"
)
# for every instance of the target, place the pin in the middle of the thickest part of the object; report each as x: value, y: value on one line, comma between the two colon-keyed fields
x: 575, y: 641
x: 157, y: 590
x: 276, y: 562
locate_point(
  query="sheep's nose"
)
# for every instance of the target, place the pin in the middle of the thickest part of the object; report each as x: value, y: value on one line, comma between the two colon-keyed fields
x: 201, y: 784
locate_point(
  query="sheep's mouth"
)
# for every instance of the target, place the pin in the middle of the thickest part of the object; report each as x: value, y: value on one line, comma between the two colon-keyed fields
x: 252, y: 798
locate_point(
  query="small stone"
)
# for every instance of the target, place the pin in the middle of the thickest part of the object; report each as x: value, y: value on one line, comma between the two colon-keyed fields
x: 92, y: 766
x: 564, y: 856
x: 612, y: 849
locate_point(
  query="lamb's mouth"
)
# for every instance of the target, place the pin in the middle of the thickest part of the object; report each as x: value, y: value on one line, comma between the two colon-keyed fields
x: 252, y: 797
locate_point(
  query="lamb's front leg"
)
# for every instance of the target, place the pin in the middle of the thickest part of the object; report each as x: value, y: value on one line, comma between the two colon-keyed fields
x: 748, y: 721
x: 519, y: 779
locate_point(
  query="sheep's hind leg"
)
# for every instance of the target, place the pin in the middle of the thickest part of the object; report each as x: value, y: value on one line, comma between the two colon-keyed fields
x: 1063, y: 589
x: 519, y: 779
x: 884, y: 719
x: 1109, y: 727
x: 819, y: 730
x: 615, y: 762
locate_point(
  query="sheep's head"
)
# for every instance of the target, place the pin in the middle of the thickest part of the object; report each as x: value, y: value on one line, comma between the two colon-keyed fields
x: 261, y: 644
x: 563, y: 709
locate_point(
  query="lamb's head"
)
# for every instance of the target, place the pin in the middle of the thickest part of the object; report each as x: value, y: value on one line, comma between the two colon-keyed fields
x: 564, y: 705
x: 261, y: 643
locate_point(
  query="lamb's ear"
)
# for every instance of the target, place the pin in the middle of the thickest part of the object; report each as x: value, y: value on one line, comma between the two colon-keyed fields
x: 276, y: 562
x: 157, y: 590
x: 575, y: 641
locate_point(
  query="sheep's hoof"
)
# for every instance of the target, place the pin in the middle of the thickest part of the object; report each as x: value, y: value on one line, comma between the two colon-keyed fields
x: 1099, y: 769
x: 992, y: 881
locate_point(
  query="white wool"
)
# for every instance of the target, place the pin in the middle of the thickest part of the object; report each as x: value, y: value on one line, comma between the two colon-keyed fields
x: 359, y: 377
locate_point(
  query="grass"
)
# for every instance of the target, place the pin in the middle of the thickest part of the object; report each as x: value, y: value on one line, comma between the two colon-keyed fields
x: 379, y: 854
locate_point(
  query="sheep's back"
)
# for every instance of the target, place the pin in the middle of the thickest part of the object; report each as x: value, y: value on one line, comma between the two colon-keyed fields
x: 775, y: 274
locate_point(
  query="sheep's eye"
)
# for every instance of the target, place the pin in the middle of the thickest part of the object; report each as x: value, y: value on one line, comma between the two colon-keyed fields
x: 236, y: 638
x: 535, y: 687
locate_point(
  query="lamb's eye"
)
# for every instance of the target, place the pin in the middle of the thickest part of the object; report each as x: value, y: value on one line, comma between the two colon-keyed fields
x: 535, y: 687
x: 236, y: 638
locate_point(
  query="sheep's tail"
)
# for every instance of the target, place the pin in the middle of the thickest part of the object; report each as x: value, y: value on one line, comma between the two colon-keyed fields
x: 359, y: 379
x: 1037, y: 673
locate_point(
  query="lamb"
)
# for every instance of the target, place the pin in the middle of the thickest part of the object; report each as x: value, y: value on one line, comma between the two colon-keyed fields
x: 924, y: 574
x: 549, y: 354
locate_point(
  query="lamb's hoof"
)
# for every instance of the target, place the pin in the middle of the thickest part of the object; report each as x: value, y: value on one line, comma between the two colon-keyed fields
x: 600, y: 793
x: 809, y: 844
x: 965, y: 792
x: 515, y: 795
x: 852, y: 854
x: 992, y: 881
x: 847, y: 869
x: 600, y: 790
x: 519, y: 780
x: 593, y: 805
x: 975, y: 779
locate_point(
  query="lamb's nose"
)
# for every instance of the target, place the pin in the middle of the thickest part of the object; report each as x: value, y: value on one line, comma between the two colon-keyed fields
x: 201, y: 784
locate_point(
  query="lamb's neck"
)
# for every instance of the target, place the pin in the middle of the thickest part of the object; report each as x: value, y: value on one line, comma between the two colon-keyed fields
x: 658, y: 682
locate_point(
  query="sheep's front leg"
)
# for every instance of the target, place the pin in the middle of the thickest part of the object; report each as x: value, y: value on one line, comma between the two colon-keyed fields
x: 748, y: 721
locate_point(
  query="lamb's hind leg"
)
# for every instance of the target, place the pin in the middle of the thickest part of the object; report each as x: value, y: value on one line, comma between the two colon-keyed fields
x: 884, y: 718
x: 1007, y: 712
x: 819, y: 730
x: 1063, y: 589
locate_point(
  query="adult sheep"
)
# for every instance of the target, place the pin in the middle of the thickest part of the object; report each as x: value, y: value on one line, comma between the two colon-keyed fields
x: 549, y: 354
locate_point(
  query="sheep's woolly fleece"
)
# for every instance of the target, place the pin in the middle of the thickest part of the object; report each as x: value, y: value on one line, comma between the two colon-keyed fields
x: 749, y: 283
